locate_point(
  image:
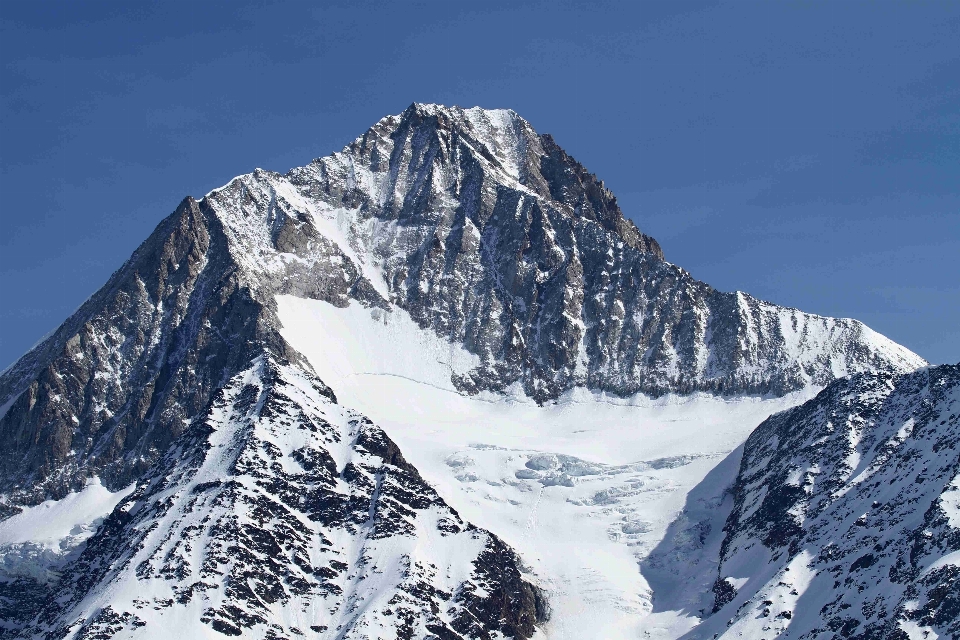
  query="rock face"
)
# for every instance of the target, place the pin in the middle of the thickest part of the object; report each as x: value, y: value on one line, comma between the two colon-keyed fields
x: 112, y: 388
x: 845, y: 517
x: 469, y: 221
x: 494, y: 237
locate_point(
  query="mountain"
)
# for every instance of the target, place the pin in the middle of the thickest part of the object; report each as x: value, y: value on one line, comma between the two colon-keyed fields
x: 499, y: 250
x: 843, y: 519
x: 480, y: 229
x: 494, y: 238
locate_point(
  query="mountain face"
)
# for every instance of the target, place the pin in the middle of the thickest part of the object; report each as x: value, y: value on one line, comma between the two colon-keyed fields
x: 843, y: 519
x: 483, y: 232
x: 493, y: 237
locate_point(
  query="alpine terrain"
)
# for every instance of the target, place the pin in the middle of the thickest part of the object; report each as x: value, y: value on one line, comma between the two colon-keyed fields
x: 436, y: 385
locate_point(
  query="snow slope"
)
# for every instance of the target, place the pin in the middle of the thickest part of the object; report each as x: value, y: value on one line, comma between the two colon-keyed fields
x: 40, y: 539
x: 582, y: 488
x: 51, y: 522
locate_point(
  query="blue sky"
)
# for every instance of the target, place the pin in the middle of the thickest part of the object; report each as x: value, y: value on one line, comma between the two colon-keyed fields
x: 808, y: 153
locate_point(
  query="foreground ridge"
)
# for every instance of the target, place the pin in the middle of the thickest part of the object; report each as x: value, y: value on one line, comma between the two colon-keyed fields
x: 844, y: 519
x: 281, y: 513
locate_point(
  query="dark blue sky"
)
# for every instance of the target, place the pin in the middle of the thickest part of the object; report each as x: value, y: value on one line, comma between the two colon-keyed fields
x: 808, y: 153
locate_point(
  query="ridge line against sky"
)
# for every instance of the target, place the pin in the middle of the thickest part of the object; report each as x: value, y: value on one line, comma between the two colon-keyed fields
x: 806, y: 153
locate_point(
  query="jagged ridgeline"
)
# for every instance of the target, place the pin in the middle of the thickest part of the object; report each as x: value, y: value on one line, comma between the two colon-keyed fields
x: 480, y: 229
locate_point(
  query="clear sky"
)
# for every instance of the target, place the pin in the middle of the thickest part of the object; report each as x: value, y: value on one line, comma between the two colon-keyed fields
x: 805, y: 152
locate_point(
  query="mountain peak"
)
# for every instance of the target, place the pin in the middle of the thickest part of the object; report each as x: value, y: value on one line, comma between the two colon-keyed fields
x: 456, y: 111
x: 516, y: 156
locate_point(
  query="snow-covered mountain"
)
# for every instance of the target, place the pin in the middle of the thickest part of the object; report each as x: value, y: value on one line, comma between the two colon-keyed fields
x: 477, y: 227
x: 843, y: 520
x: 472, y: 289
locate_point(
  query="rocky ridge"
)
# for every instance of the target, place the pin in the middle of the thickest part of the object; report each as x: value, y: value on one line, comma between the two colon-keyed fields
x: 277, y: 514
x: 842, y: 521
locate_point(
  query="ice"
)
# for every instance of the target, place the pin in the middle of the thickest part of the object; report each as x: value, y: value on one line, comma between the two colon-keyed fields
x: 50, y: 522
